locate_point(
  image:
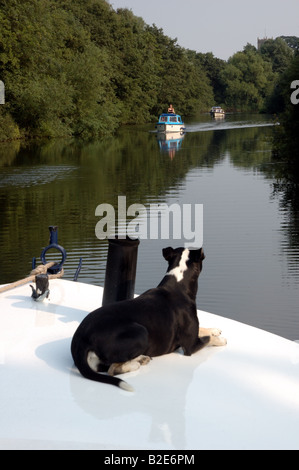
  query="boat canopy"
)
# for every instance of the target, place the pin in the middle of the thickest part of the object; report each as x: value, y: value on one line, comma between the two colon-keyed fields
x: 170, y: 117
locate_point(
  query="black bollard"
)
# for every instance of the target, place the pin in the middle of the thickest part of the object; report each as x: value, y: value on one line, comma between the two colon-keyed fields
x: 120, y: 270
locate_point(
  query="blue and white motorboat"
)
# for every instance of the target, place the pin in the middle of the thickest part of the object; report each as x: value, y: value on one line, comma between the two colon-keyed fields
x: 170, y: 122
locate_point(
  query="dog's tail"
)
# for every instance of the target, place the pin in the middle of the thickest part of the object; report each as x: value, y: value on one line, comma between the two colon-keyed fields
x: 88, y: 364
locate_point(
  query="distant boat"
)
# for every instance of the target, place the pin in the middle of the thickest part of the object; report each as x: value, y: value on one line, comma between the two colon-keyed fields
x: 217, y: 111
x: 170, y: 122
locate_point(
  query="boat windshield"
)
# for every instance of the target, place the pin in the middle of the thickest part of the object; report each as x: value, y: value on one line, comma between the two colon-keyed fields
x: 173, y: 119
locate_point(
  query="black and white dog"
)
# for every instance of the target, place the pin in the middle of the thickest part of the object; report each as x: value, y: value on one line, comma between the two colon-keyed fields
x: 122, y: 336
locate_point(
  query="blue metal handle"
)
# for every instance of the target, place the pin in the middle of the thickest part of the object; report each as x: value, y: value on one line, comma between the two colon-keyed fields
x: 54, y: 245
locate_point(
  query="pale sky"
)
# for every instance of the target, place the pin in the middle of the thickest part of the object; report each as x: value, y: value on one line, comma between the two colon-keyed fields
x: 222, y: 27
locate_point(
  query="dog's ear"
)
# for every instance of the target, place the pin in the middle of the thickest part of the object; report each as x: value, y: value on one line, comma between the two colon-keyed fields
x: 167, y: 253
x: 196, y: 255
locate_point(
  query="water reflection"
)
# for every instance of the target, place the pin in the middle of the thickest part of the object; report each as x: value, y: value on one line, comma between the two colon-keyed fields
x: 170, y: 142
x: 224, y: 165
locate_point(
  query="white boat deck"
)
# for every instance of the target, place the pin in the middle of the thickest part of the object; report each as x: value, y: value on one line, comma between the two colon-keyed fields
x: 241, y: 396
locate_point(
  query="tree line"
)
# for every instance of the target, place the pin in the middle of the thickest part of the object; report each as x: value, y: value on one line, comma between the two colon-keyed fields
x: 286, y: 135
x: 81, y: 68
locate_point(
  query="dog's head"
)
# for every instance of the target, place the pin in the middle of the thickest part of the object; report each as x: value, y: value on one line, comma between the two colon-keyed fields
x: 184, y: 263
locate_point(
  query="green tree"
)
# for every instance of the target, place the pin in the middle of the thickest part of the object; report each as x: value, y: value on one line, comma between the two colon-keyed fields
x: 57, y: 80
x: 248, y: 81
x: 292, y: 42
x: 182, y: 78
x: 213, y: 67
x: 286, y: 135
x: 278, y: 53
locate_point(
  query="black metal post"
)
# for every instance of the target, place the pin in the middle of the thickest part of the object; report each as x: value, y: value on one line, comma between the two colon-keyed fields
x: 120, y: 270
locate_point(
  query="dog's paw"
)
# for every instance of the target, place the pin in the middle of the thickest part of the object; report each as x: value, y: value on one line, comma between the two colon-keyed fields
x: 209, y: 332
x: 217, y: 341
x: 215, y: 332
x: 143, y: 360
x: 129, y: 366
x: 116, y: 368
x: 123, y: 367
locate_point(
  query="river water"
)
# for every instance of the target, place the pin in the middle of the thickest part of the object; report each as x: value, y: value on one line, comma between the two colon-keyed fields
x: 250, y: 226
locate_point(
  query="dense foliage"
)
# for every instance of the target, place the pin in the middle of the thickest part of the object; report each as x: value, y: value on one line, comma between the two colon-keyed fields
x: 287, y: 135
x: 78, y: 67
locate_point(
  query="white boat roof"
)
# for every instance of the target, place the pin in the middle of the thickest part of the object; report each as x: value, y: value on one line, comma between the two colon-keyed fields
x: 241, y: 396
